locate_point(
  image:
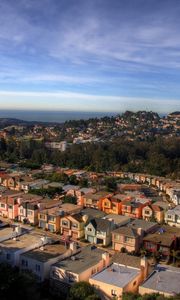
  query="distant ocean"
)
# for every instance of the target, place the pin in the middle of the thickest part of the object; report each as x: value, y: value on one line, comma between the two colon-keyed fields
x: 52, y: 116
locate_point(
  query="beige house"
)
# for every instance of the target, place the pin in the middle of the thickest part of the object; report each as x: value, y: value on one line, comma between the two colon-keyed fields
x: 125, y: 237
x: 79, y: 267
x: 163, y: 280
x: 122, y: 276
x: 151, y: 212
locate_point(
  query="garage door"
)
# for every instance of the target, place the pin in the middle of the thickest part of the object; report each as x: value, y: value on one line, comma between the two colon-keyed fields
x: 90, y: 239
x: 42, y: 224
x: 51, y: 227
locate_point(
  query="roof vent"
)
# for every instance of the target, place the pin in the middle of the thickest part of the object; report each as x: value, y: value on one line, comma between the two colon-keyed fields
x: 73, y: 258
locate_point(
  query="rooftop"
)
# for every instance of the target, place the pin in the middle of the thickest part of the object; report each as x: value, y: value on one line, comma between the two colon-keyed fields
x: 127, y: 260
x: 100, y: 224
x: 92, y: 212
x: 88, y: 257
x: 165, y: 235
x: 118, y: 219
x: 128, y: 231
x: 117, y: 275
x: 164, y: 279
x: 145, y: 225
x: 45, y: 253
x: 22, y: 241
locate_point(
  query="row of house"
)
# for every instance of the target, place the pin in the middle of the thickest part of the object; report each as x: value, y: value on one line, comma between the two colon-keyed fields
x: 110, y: 275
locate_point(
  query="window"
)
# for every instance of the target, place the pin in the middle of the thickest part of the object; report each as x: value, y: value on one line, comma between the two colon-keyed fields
x: 89, y: 229
x: 107, y: 204
x: 24, y: 263
x: 51, y: 218
x: 3, y: 205
x: 65, y: 223
x: 29, y: 212
x: 128, y: 239
x: 169, y: 217
x: 72, y: 278
x: 117, y: 237
x: 147, y: 212
x: 10, y: 206
x: 42, y: 216
x: 37, y: 267
x: 134, y: 283
x: 113, y: 292
x: 93, y: 271
x: 8, y: 256
x: 75, y: 225
x: 21, y: 211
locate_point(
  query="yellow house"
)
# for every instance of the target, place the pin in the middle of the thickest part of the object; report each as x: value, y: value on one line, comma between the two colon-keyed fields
x: 49, y: 219
x: 73, y: 226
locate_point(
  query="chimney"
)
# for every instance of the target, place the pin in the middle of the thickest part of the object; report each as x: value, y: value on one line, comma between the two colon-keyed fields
x: 73, y: 247
x: 144, y: 267
x: 106, y: 258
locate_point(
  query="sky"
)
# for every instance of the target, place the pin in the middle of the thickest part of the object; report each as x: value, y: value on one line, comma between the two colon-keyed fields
x: 90, y: 55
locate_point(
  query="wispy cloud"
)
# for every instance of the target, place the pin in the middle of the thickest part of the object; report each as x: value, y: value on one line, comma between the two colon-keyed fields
x: 116, y: 47
x: 86, y: 102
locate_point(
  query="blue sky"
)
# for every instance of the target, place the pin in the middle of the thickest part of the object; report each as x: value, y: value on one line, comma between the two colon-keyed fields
x: 90, y: 55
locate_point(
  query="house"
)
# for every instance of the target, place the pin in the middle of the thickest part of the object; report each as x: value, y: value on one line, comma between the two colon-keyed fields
x: 27, y: 186
x: 113, y: 204
x: 172, y: 216
x: 163, y: 280
x: 11, y: 232
x: 9, y: 202
x: 153, y: 212
x: 82, y: 192
x: 118, y: 220
x: 93, y: 213
x: 163, y: 241
x: 130, y: 236
x: 71, y: 190
x: 98, y: 231
x: 133, y: 208
x: 95, y: 200
x: 29, y: 209
x: 120, y: 277
x: 11, y: 249
x: 73, y: 226
x: 40, y: 260
x: 176, y: 197
x: 125, y: 238
x: 49, y: 219
x: 79, y: 267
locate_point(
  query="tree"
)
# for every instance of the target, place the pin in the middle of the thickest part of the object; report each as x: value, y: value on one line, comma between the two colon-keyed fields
x: 111, y: 184
x: 12, y: 282
x: 70, y: 199
x: 82, y: 290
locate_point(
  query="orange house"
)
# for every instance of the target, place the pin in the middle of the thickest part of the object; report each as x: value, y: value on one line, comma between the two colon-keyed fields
x: 133, y: 208
x: 111, y: 205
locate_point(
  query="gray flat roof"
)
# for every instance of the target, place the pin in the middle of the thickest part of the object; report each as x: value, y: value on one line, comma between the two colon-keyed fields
x: 117, y: 275
x: 22, y: 241
x: 118, y: 219
x: 164, y: 279
x: 45, y: 253
x: 88, y: 257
